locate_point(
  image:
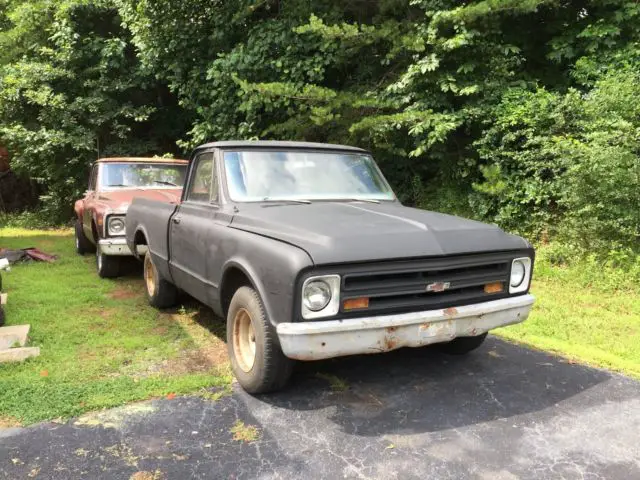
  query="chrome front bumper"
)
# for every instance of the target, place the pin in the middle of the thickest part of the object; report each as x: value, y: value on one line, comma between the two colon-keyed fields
x: 335, y: 338
x: 118, y: 246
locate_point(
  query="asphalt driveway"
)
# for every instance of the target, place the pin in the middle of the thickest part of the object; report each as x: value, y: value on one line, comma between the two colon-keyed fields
x: 502, y: 412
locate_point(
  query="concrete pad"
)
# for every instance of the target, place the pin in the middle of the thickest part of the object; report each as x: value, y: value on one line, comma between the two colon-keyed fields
x: 9, y: 336
x: 18, y: 354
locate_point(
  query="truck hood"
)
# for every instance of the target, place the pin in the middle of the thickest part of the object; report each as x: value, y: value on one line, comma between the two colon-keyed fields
x: 338, y: 232
x: 119, y: 200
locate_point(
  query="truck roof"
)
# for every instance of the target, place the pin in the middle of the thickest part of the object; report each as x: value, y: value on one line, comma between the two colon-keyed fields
x: 279, y: 144
x: 141, y: 160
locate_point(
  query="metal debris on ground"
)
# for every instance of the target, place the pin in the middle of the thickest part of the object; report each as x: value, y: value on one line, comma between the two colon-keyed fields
x: 26, y: 255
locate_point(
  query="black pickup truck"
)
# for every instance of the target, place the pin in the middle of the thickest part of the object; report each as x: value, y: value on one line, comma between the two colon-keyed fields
x: 305, y: 251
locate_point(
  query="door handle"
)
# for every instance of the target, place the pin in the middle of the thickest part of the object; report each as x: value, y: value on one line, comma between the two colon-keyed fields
x: 176, y: 220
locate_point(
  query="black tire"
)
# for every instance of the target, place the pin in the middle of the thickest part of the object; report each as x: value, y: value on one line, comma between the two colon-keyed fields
x: 83, y: 244
x: 463, y: 345
x: 1, y: 315
x: 160, y: 293
x: 108, y: 266
x: 270, y: 369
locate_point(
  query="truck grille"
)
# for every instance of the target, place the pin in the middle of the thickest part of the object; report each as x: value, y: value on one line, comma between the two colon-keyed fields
x: 403, y: 285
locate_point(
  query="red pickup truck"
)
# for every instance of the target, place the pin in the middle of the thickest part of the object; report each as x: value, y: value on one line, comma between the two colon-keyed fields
x: 113, y: 184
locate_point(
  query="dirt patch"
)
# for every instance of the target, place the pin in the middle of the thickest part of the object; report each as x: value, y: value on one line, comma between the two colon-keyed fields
x: 123, y: 293
x: 8, y: 422
x: 191, y: 361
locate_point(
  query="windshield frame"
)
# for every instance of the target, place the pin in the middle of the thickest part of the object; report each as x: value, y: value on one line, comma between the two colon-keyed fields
x: 227, y: 193
x: 104, y: 188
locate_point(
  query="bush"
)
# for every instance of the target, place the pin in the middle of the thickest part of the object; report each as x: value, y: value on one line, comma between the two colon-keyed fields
x: 567, y: 164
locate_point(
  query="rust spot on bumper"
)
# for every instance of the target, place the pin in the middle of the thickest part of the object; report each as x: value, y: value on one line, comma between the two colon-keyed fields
x: 390, y: 343
x: 391, y: 329
x: 450, y: 312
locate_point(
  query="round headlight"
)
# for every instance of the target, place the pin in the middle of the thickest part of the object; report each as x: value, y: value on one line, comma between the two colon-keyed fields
x: 116, y: 226
x: 518, y: 271
x: 316, y: 295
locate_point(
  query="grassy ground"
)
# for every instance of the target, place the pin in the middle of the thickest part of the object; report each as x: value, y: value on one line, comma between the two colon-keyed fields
x: 101, y: 344
x: 584, y: 315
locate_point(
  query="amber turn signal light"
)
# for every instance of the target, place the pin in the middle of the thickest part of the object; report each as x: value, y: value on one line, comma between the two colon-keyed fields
x: 356, y: 303
x: 495, y: 287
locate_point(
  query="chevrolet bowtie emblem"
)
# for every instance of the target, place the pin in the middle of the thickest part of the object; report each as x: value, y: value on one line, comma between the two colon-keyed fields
x: 438, y: 286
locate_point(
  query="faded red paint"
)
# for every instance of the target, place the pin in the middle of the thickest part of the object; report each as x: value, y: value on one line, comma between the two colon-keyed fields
x: 91, y: 209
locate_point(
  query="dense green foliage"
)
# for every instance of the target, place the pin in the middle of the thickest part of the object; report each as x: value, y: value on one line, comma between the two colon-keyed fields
x: 71, y: 87
x: 518, y: 112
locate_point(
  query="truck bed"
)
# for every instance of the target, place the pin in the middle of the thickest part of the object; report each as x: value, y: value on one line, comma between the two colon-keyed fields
x: 151, y: 218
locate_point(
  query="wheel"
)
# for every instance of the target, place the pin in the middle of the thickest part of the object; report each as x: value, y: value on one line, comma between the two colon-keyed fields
x: 160, y: 293
x: 108, y: 265
x: 83, y: 244
x: 463, y: 345
x: 256, y: 358
x: 1, y: 316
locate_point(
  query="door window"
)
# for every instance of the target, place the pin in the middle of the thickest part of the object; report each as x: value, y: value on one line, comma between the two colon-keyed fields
x: 203, y: 186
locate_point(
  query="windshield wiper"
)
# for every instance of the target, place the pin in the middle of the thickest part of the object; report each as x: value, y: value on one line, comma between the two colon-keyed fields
x: 161, y: 182
x: 368, y: 200
x: 117, y: 185
x: 286, y: 200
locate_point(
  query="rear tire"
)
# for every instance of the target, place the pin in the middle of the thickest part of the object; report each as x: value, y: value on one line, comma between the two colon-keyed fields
x: 1, y: 316
x: 256, y: 358
x: 463, y: 345
x: 108, y: 265
x: 160, y: 293
x: 83, y: 244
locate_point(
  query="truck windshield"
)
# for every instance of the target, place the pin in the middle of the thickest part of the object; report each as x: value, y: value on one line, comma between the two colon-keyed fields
x: 142, y: 175
x: 254, y: 176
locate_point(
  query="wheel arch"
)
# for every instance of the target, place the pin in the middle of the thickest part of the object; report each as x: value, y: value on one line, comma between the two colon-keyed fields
x: 236, y: 274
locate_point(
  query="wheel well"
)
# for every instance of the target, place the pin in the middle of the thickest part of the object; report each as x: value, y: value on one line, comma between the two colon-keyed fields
x: 94, y: 231
x: 233, y: 279
x: 139, y: 238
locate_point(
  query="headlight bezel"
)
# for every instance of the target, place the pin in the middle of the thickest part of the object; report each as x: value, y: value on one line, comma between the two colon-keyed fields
x: 333, y: 305
x: 116, y: 233
x: 523, y: 285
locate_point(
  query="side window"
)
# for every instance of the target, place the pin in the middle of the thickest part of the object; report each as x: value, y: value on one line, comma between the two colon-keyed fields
x: 203, y: 186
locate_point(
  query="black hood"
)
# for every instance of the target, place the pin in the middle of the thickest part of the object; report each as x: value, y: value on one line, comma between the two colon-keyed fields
x: 339, y: 232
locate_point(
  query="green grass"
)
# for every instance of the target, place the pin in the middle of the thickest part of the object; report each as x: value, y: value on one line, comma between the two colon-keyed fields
x: 101, y: 344
x: 587, y: 315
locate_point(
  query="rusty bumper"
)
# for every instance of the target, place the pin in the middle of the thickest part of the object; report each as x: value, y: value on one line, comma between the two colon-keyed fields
x: 118, y: 246
x: 336, y: 338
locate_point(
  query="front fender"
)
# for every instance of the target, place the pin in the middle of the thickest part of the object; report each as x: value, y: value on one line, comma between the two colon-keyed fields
x: 271, y: 266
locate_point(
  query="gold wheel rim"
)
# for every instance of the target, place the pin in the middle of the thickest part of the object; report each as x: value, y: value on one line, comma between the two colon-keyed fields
x: 149, y: 276
x: 244, y: 340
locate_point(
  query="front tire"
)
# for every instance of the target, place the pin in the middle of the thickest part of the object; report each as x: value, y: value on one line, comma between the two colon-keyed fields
x: 160, y: 293
x: 108, y: 266
x: 256, y: 358
x: 463, y: 345
x: 83, y: 244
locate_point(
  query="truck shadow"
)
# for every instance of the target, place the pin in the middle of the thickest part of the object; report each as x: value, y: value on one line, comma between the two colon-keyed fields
x: 417, y: 390
x: 423, y: 390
